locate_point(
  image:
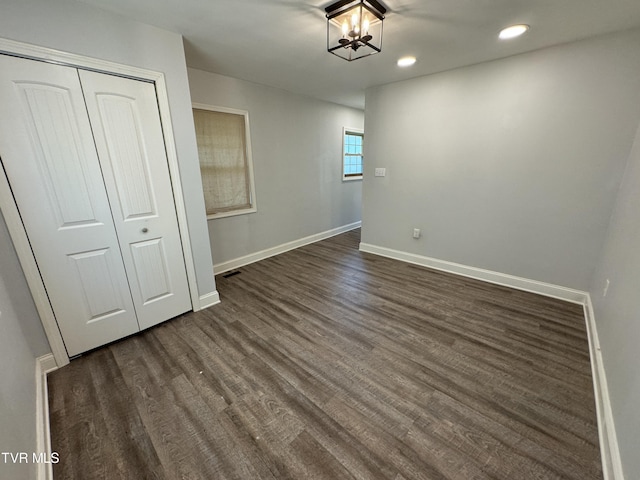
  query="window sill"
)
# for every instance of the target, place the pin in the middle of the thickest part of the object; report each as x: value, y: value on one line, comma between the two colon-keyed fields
x: 350, y: 179
x: 232, y: 213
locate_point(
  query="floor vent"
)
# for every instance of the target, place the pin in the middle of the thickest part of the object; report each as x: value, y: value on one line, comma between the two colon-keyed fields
x: 231, y: 274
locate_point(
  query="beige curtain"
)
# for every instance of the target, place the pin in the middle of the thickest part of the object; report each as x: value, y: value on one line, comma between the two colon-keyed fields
x: 223, y: 160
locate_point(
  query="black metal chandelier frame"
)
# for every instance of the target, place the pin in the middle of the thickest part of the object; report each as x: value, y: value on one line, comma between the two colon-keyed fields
x: 355, y: 36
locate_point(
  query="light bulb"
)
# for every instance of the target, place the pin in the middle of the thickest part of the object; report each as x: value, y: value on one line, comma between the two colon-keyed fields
x: 345, y: 28
x: 354, y: 21
x: 365, y: 26
x: 406, y: 61
x: 513, y: 31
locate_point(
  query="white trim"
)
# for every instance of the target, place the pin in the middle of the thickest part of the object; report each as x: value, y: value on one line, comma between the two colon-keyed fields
x: 285, y: 247
x: 9, y: 208
x: 345, y: 131
x: 176, y: 184
x: 30, y: 269
x: 519, y: 283
x: 231, y: 213
x: 36, y: 52
x: 247, y: 133
x: 217, y: 108
x: 609, y: 450
x: 44, y: 365
x: 208, y: 300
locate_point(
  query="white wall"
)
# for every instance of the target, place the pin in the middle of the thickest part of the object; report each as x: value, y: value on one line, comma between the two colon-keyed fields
x: 512, y: 165
x: 618, y: 314
x: 22, y: 339
x: 82, y: 29
x: 296, y: 144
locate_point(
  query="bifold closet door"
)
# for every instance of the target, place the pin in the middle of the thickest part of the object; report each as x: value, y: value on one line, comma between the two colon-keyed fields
x: 128, y: 135
x: 49, y: 156
x: 85, y: 157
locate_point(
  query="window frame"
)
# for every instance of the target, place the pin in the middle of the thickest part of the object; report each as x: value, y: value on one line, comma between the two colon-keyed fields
x: 351, y: 131
x: 249, y: 157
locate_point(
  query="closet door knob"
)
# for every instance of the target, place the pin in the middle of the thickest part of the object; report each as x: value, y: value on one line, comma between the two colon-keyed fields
x: 145, y: 230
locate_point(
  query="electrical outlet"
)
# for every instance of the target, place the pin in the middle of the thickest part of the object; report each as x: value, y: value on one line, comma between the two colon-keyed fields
x: 380, y: 172
x: 416, y: 233
x: 606, y: 288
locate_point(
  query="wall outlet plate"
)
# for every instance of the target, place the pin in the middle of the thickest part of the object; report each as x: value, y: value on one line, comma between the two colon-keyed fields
x: 380, y: 172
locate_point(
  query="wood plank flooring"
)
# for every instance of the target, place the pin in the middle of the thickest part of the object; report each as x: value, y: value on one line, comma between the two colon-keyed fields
x: 328, y: 363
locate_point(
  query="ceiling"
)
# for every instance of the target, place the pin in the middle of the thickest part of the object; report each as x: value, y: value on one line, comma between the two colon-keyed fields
x: 282, y: 43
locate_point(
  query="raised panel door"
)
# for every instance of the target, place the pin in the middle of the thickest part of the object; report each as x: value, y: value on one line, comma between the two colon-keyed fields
x: 128, y: 134
x: 50, y: 159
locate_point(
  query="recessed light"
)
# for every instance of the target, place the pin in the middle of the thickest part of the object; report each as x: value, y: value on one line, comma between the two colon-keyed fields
x: 513, y: 31
x: 406, y: 61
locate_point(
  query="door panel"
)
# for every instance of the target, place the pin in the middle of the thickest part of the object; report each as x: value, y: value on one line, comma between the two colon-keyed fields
x: 47, y: 151
x: 128, y: 136
x: 150, y: 262
x: 129, y: 161
x: 48, y: 112
x: 95, y: 275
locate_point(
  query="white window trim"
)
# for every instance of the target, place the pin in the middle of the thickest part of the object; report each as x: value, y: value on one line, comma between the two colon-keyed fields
x: 252, y: 186
x: 345, y: 131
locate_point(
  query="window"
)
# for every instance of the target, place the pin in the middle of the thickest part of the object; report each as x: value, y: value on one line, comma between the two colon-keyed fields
x: 224, y: 150
x: 352, y: 154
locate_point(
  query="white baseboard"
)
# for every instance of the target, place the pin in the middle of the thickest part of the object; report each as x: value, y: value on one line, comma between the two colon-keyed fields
x: 44, y: 365
x: 519, y: 283
x: 285, y: 247
x: 609, y: 451
x: 208, y: 300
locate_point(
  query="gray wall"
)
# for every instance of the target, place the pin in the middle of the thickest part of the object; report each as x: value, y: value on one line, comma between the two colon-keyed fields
x: 82, y: 29
x: 22, y: 339
x: 512, y: 165
x: 618, y: 316
x: 296, y: 144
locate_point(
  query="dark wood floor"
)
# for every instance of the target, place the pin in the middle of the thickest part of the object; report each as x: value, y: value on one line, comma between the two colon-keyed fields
x: 327, y: 363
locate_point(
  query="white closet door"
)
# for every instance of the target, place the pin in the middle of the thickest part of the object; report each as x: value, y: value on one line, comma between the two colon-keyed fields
x: 49, y: 156
x: 128, y: 134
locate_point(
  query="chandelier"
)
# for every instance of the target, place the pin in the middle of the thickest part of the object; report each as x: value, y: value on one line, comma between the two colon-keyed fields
x: 354, y: 28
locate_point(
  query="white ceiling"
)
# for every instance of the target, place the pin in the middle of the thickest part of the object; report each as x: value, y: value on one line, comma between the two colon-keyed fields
x: 282, y: 43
